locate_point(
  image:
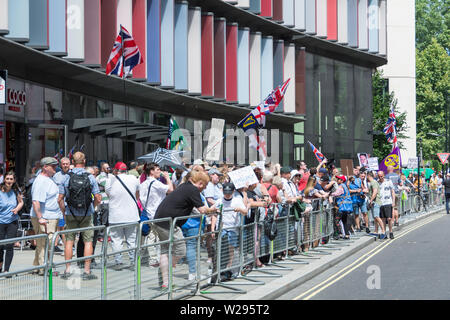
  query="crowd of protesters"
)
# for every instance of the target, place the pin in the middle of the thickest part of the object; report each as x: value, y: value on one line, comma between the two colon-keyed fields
x: 66, y: 194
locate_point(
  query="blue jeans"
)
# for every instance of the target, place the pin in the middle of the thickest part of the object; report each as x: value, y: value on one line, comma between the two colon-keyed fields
x: 191, y: 248
x: 447, y: 200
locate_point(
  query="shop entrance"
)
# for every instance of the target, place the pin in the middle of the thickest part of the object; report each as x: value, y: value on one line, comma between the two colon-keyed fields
x: 42, y: 140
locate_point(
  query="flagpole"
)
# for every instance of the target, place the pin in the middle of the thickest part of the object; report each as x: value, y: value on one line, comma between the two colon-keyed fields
x: 125, y: 95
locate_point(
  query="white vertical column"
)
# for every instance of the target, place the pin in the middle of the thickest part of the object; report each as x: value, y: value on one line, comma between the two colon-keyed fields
x: 243, y: 4
x: 4, y: 26
x: 266, y: 66
x: 289, y: 72
x: 195, y: 51
x: 383, y: 31
x: 321, y: 18
x: 342, y: 22
x: 255, y: 68
x: 311, y: 17
x: 289, y: 13
x: 243, y: 66
x: 300, y: 15
x: 125, y: 15
x: 363, y: 36
x: 167, y: 44
x: 75, y: 30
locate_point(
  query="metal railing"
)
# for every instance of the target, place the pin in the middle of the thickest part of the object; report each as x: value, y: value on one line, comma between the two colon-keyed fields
x: 209, y: 258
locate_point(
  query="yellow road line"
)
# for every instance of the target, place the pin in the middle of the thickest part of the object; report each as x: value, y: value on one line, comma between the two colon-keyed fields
x: 369, y: 255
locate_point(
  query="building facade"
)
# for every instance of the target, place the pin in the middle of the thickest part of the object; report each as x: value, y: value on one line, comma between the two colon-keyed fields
x: 202, y: 60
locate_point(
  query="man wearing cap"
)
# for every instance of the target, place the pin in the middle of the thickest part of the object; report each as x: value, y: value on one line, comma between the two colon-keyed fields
x: 45, y: 211
x: 233, y: 208
x: 446, y: 184
x: 79, y: 217
x: 123, y: 192
x: 290, y: 190
x: 213, y: 192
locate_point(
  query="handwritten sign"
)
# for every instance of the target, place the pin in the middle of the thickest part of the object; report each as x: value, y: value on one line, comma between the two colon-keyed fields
x: 243, y: 176
x: 215, y: 140
x: 413, y: 163
x: 373, y: 164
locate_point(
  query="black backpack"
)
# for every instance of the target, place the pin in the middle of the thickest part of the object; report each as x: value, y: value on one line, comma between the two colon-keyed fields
x: 80, y: 191
x: 270, y: 225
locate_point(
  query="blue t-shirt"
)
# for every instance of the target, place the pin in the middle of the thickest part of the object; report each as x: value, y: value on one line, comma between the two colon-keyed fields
x: 213, y: 191
x: 8, y: 201
x: 195, y: 222
x: 64, y: 189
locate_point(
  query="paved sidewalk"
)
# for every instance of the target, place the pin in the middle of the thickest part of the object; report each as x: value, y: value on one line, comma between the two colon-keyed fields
x: 287, y: 274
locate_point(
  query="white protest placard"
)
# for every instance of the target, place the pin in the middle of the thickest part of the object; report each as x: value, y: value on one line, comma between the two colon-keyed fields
x: 373, y: 164
x: 243, y: 176
x: 413, y: 163
x: 215, y: 140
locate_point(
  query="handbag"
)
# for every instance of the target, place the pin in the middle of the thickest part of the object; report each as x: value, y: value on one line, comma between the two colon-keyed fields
x: 297, y: 209
x: 142, y: 216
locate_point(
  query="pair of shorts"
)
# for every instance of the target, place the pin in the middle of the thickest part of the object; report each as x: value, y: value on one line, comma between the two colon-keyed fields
x: 75, y: 222
x: 376, y: 210
x: 232, y: 237
x: 178, y: 246
x: 359, y: 206
x: 61, y: 223
x: 386, y: 212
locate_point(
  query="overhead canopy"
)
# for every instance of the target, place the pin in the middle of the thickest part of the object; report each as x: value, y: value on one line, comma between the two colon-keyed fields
x: 121, y: 128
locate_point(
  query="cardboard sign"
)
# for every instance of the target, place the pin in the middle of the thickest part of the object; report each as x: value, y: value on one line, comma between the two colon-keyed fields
x: 443, y: 157
x: 373, y: 164
x: 363, y: 160
x: 215, y: 140
x: 413, y: 163
x: 243, y: 176
x: 347, y: 167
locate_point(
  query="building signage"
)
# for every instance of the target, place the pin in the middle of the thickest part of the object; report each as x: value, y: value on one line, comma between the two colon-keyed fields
x: 3, y: 74
x: 16, y: 98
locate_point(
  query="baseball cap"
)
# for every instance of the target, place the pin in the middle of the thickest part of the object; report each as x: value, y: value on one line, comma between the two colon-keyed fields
x: 286, y: 170
x: 228, y: 188
x: 343, y: 178
x: 215, y: 171
x: 323, y: 170
x: 49, y: 161
x: 120, y: 166
x: 325, y: 178
x: 199, y: 162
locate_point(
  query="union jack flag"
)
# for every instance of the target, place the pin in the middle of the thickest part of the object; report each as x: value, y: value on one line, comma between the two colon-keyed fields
x: 390, y: 129
x: 317, y: 153
x: 257, y: 118
x: 125, y: 55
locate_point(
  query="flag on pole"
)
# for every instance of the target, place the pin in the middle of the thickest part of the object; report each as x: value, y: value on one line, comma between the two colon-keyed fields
x: 390, y: 129
x: 317, y: 153
x: 174, y: 143
x: 125, y: 55
x: 256, y: 119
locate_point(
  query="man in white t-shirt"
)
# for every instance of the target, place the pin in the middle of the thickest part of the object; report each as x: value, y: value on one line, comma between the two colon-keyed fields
x: 45, y: 211
x: 123, y: 192
x: 387, y: 197
x: 233, y: 208
x: 152, y: 192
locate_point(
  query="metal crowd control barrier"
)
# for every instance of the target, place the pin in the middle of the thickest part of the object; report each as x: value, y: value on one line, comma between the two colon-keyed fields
x: 20, y: 283
x: 73, y: 287
x: 206, y: 256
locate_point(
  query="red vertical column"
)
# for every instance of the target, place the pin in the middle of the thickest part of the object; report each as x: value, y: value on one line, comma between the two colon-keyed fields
x: 140, y: 36
x: 231, y: 64
x: 92, y: 33
x: 108, y: 28
x: 219, y: 58
x: 208, y: 54
x: 266, y: 9
x: 332, y: 28
x: 277, y: 10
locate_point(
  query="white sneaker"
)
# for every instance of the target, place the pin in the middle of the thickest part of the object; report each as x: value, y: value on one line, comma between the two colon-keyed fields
x: 192, y: 276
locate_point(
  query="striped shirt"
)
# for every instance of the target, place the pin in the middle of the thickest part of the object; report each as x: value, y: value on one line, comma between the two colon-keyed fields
x: 102, y: 178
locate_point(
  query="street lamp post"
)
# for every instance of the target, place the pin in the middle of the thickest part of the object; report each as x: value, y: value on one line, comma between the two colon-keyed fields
x: 419, y: 157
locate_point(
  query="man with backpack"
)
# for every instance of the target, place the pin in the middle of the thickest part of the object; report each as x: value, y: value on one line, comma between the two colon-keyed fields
x: 77, y: 190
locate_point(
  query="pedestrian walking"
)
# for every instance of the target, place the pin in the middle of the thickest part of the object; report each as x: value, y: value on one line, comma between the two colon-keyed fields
x: 123, y: 192
x: 81, y: 193
x: 11, y: 203
x: 45, y: 211
x: 387, y: 195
